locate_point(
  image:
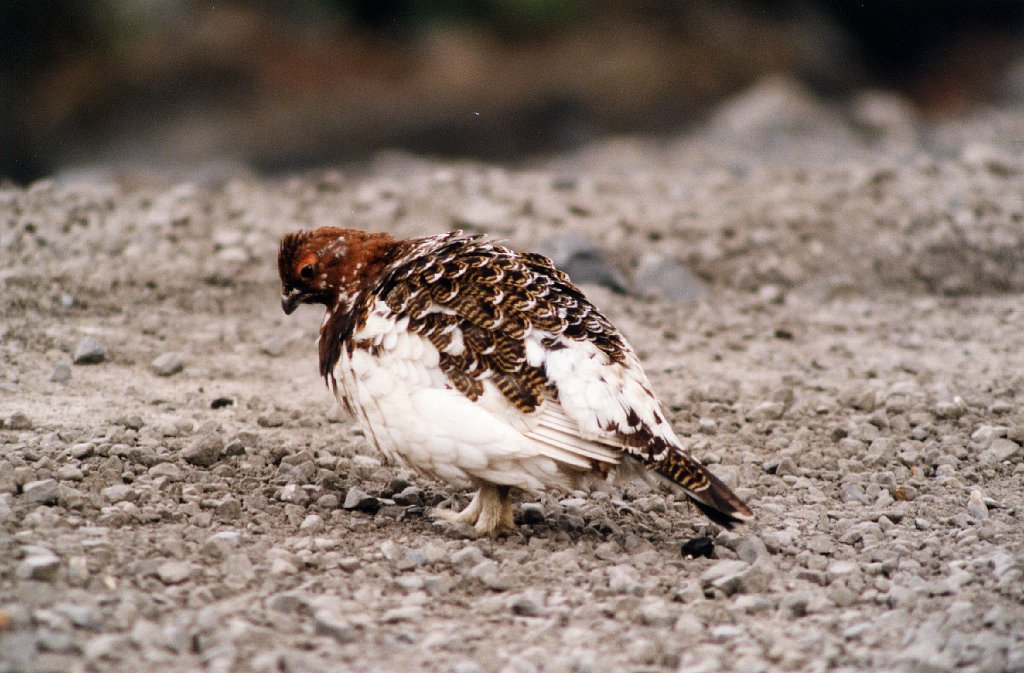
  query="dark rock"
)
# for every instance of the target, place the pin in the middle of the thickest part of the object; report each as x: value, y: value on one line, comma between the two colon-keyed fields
x: 90, y: 351
x: 361, y: 501
x: 699, y: 547
x: 531, y: 513
x: 410, y: 496
x: 19, y: 421
x: 584, y: 263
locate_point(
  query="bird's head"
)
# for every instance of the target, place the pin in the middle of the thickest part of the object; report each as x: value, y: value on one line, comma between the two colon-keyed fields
x: 330, y: 265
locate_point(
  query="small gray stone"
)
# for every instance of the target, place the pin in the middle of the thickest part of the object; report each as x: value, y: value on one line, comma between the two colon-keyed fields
x: 106, y: 646
x: 23, y: 475
x: 584, y: 263
x: 41, y: 564
x: 689, y: 625
x: 55, y: 641
x: 41, y: 492
x: 753, y: 605
x: 204, y: 451
x: 18, y: 421
x: 527, y: 604
x: 361, y: 501
x: 391, y: 550
x: 1001, y: 449
x: 350, y: 563
x: 78, y: 571
x: 287, y: 601
x: 467, y: 666
x: 328, y: 624
x: 238, y: 570
x: 169, y: 470
x: 90, y: 351
x: 765, y: 411
x: 274, y: 345
x: 622, y: 579
x: 409, y: 496
x: 61, y: 373
x: 841, y: 568
x: 481, y: 213
x: 312, y: 523
x: 852, y: 493
x: 656, y: 612
x: 274, y: 419
x: 119, y: 492
x: 328, y: 501
x: 738, y: 577
x: 984, y: 434
x: 770, y: 293
x: 483, y: 571
x: 796, y: 604
x: 976, y: 506
x: 294, y: 493
x: 707, y: 426
x: 222, y: 542
x: 429, y: 553
x: 69, y: 473
x: 168, y: 364
x: 786, y: 466
x: 406, y: 613
x: 466, y: 557
x: 751, y: 549
x: 174, y: 572
x: 814, y: 576
x: 667, y: 279
x: 725, y: 632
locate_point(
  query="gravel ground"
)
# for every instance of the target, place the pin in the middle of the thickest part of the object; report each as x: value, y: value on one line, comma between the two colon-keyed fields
x: 178, y: 491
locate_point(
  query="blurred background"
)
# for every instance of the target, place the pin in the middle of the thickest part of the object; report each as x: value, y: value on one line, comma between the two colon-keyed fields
x: 281, y: 85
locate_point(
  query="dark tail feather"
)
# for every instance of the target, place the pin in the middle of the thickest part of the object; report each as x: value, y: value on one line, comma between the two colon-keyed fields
x: 707, y: 492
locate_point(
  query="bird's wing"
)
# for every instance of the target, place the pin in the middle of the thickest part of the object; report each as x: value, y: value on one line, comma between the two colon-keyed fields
x: 513, y: 321
x: 509, y: 321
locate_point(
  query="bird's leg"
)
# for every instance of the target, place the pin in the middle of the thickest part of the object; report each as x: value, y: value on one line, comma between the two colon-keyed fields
x: 495, y: 511
x: 490, y: 511
x: 468, y: 515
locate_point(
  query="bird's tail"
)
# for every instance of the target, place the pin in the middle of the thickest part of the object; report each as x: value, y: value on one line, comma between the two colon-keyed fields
x: 707, y: 492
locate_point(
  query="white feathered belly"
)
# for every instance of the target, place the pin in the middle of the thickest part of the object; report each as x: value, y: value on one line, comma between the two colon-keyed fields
x: 407, y: 408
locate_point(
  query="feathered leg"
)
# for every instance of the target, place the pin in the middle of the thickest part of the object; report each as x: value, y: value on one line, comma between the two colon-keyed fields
x: 496, y: 511
x: 490, y: 511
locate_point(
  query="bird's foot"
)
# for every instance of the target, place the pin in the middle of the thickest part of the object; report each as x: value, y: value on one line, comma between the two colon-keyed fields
x: 490, y: 512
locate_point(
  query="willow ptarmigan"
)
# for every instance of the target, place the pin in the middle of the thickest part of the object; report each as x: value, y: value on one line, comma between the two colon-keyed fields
x: 478, y: 365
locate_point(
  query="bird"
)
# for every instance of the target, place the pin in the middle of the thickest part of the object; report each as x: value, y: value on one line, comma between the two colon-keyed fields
x: 482, y: 366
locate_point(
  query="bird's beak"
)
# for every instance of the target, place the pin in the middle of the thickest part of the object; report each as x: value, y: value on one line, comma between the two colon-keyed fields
x: 290, y: 300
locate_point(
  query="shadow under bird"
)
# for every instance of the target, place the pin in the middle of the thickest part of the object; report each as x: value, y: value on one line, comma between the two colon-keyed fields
x: 482, y: 366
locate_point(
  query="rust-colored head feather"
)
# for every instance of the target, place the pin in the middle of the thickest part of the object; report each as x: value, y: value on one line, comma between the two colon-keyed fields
x: 330, y: 265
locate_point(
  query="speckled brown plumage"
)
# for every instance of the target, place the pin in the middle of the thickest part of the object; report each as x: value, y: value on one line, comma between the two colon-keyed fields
x: 497, y: 295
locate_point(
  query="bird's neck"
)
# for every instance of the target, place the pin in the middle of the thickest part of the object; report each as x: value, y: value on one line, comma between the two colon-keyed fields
x: 354, y: 276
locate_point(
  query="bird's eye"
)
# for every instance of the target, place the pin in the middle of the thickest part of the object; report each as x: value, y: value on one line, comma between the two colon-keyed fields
x: 306, y: 272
